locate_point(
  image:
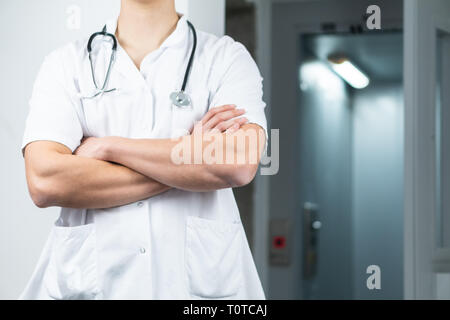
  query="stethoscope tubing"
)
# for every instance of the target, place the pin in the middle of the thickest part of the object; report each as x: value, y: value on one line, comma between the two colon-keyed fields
x: 101, y: 90
x: 191, y: 58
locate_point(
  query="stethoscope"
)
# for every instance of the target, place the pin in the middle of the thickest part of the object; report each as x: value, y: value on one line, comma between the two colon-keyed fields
x: 179, y: 98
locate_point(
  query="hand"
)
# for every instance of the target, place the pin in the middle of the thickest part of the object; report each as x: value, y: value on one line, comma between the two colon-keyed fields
x: 221, y: 119
x: 93, y: 148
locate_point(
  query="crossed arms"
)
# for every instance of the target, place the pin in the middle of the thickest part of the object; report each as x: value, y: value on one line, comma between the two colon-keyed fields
x: 113, y: 171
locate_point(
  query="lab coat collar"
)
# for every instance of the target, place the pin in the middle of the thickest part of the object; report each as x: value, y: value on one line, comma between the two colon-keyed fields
x: 176, y: 37
x: 124, y: 64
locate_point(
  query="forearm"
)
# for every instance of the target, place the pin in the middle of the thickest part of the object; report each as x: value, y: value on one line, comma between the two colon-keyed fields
x: 154, y: 158
x: 89, y: 183
x: 66, y: 180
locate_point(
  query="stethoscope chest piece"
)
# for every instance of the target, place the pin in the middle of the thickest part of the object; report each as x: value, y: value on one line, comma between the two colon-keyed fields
x: 180, y: 99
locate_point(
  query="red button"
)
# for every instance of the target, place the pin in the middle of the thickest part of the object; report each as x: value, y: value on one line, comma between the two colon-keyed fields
x: 279, y: 242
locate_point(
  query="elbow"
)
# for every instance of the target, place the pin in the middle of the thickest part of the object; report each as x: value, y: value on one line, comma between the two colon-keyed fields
x: 41, y: 192
x: 242, y: 175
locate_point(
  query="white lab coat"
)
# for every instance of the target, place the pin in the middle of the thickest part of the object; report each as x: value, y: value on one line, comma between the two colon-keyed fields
x: 177, y: 245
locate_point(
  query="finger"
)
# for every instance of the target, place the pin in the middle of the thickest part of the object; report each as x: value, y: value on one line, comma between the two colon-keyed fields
x: 213, y: 111
x: 235, y: 127
x: 213, y: 131
x: 224, y: 125
x: 222, y: 117
x: 242, y: 121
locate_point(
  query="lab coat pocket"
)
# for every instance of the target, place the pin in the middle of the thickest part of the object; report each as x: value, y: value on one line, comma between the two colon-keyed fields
x: 213, y: 258
x: 72, y: 270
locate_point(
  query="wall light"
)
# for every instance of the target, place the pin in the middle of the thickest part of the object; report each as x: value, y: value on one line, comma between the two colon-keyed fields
x: 317, y: 76
x: 349, y: 72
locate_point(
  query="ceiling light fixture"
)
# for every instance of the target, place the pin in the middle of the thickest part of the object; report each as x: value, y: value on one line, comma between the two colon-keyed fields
x: 349, y: 72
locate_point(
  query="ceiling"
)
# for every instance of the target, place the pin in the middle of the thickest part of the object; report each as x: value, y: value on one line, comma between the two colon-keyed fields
x: 380, y: 55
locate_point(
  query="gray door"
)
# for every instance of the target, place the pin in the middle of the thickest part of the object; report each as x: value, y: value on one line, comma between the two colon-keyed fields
x: 351, y: 167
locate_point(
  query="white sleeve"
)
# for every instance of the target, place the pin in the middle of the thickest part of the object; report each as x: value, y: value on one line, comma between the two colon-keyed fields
x: 240, y: 84
x: 52, y: 114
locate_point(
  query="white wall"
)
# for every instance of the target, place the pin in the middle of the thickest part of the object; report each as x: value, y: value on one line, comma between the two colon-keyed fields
x: 206, y: 15
x: 29, y: 30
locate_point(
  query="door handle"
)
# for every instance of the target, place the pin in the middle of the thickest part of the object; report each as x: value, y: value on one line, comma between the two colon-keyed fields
x: 311, y: 227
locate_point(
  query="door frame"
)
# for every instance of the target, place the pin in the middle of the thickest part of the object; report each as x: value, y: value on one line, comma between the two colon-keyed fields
x: 421, y: 256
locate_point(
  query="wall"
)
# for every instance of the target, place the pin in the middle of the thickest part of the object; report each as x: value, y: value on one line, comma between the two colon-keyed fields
x: 377, y: 181
x: 206, y: 15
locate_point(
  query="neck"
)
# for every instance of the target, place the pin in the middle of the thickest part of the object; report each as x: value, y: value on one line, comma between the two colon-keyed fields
x: 143, y: 25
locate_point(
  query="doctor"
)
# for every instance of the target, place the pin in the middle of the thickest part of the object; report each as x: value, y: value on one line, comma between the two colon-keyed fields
x: 134, y: 224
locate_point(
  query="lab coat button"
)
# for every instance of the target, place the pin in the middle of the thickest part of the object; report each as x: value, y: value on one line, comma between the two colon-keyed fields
x: 140, y: 204
x: 142, y: 250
